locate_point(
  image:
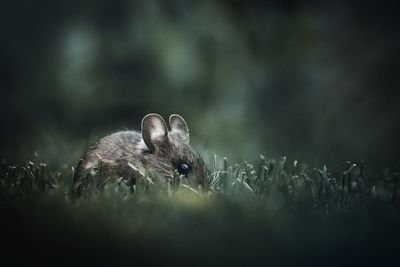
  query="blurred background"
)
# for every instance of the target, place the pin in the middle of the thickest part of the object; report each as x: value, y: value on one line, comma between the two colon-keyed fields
x: 315, y: 82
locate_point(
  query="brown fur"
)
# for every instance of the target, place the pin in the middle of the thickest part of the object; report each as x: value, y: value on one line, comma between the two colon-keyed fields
x: 156, y: 150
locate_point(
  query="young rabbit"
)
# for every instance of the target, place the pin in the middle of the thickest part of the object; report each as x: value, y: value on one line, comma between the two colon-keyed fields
x: 155, y: 150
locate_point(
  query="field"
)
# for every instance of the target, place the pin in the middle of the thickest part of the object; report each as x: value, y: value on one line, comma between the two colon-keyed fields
x: 259, y: 212
x: 312, y: 86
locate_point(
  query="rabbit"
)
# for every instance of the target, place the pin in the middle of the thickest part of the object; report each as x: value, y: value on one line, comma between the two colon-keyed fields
x: 156, y: 150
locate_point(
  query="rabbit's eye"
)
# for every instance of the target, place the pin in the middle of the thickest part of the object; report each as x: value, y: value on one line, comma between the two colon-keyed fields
x: 184, y: 168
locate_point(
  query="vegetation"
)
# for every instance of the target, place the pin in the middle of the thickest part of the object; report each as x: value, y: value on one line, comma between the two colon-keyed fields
x: 317, y: 82
x: 256, y: 212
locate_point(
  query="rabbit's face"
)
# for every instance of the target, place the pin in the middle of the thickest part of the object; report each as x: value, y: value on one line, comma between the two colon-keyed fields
x: 169, y: 150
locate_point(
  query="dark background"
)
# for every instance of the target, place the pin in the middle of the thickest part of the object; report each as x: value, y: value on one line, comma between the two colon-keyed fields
x: 314, y: 81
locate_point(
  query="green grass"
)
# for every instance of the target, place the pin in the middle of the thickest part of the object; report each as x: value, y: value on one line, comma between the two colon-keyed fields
x: 257, y: 212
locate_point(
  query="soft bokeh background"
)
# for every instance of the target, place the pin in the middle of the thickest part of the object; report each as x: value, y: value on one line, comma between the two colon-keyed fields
x: 314, y: 81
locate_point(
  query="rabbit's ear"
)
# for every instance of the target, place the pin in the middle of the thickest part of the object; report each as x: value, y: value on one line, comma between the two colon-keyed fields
x: 154, y: 131
x: 179, y: 126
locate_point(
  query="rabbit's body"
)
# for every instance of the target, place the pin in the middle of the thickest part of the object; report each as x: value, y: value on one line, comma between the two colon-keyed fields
x: 155, y: 150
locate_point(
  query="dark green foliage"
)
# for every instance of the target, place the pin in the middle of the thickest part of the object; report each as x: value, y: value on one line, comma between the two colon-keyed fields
x: 315, y: 82
x: 262, y: 211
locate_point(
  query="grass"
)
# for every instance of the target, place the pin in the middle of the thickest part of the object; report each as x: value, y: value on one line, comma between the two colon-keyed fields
x: 257, y: 212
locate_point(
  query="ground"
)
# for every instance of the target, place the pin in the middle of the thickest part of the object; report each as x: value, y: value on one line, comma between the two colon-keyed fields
x: 267, y: 212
